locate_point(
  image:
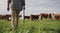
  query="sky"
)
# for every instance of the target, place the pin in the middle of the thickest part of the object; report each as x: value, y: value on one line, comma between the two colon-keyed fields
x: 35, y: 6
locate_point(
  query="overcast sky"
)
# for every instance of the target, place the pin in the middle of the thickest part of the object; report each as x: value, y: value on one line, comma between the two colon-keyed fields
x: 35, y: 6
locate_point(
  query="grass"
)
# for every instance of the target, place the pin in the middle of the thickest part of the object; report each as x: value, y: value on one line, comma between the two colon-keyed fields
x: 35, y: 26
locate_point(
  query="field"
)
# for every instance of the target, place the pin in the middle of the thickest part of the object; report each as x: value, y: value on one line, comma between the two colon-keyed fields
x: 28, y: 26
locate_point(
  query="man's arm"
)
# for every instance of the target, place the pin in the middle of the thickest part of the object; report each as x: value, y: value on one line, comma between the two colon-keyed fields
x: 9, y: 1
x: 23, y: 4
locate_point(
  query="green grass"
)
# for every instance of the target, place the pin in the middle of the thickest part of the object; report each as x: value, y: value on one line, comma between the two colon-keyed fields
x: 35, y: 26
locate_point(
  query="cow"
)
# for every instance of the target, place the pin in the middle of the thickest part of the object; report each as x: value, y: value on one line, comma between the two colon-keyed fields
x: 43, y: 15
x: 26, y: 17
x: 34, y: 17
x: 49, y: 15
x: 8, y: 17
x: 1, y: 16
x: 56, y: 16
x: 5, y: 17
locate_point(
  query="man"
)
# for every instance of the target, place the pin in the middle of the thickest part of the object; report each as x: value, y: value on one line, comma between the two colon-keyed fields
x: 16, y: 7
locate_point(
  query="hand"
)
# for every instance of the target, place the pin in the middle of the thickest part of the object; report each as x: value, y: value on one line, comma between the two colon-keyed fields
x: 8, y: 8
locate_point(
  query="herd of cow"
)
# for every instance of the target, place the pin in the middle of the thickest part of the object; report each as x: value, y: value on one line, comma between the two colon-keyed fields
x: 34, y: 17
x: 42, y: 16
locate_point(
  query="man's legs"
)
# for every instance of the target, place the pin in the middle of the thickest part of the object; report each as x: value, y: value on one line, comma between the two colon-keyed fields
x: 13, y: 19
x: 16, y: 18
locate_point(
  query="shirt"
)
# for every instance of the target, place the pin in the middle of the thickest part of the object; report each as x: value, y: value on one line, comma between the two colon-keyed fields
x: 17, y: 4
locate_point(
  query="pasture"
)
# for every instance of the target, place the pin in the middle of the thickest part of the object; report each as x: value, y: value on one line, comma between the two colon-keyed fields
x: 35, y: 26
